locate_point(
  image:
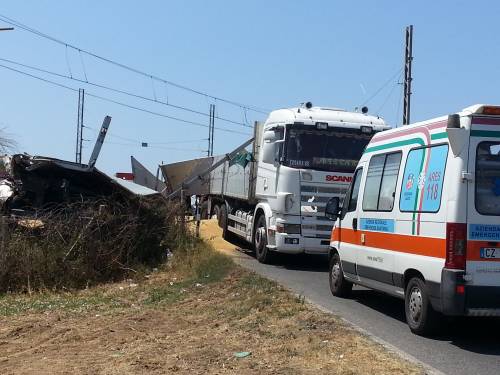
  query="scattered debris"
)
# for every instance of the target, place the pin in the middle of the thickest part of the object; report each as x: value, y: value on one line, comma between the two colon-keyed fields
x: 29, y: 184
x: 242, y: 354
x: 142, y: 176
x: 30, y: 223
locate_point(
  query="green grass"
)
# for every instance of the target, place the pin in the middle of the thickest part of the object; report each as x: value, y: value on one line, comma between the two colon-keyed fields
x: 258, y: 283
x: 168, y: 294
x: 208, y: 267
x: 200, y: 265
x: 213, y: 268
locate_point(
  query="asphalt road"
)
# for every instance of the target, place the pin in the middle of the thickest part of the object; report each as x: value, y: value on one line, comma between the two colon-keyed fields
x: 465, y: 346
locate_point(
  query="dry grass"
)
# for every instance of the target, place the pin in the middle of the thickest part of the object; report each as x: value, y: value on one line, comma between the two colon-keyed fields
x: 188, y: 318
x: 74, y: 245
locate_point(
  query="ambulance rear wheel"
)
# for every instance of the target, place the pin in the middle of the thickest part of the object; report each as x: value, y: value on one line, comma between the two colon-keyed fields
x: 339, y: 286
x: 420, y: 316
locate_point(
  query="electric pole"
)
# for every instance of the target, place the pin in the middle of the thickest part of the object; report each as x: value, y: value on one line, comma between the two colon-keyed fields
x: 408, y: 77
x: 79, y: 126
x: 211, y: 129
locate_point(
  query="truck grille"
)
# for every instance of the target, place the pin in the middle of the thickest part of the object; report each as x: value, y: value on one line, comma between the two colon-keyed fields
x: 313, y: 201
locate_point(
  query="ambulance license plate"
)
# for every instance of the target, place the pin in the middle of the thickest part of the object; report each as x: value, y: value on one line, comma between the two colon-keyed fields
x: 489, y: 253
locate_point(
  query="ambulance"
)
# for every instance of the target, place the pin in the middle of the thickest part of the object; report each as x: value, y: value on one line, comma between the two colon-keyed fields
x: 421, y: 218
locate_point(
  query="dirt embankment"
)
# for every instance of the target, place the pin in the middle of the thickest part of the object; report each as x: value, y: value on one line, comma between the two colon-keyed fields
x: 197, y: 316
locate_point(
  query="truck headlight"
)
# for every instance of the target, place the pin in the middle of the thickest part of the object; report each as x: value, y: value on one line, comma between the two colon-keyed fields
x: 288, y: 228
x: 292, y: 228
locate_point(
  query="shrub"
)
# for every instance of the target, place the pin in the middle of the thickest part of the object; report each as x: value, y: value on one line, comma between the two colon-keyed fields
x: 79, y: 244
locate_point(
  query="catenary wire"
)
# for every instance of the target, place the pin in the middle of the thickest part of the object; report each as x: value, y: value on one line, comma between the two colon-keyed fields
x: 118, y: 102
x: 389, y: 95
x: 128, y: 93
x: 155, y: 147
x: 382, y: 87
x: 132, y: 140
x: 126, y: 67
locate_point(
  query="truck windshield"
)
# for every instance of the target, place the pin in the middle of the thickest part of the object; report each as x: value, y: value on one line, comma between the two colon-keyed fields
x: 335, y: 149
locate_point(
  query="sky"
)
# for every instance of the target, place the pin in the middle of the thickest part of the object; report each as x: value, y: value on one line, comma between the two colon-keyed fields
x: 262, y: 54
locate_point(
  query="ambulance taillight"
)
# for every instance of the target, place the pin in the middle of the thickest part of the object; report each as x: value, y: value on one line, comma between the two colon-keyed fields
x: 491, y: 110
x: 456, y: 245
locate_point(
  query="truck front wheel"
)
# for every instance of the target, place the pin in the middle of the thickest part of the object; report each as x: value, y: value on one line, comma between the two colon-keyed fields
x: 262, y: 253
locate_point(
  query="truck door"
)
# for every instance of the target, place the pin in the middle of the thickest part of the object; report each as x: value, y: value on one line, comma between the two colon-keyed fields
x: 349, y: 233
x: 483, y: 206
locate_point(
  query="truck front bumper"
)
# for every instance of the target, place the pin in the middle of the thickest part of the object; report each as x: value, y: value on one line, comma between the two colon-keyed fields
x: 296, y: 244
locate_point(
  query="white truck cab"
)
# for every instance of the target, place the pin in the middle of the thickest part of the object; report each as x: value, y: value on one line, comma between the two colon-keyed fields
x: 421, y: 219
x: 308, y: 155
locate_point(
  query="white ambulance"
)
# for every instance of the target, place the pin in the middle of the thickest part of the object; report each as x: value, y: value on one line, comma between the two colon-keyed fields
x: 421, y: 219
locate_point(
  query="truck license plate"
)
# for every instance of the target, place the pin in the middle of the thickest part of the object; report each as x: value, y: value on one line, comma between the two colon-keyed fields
x: 489, y: 253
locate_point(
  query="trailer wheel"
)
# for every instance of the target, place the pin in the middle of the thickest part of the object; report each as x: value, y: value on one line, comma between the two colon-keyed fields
x: 262, y: 253
x: 339, y: 286
x: 204, y: 210
x: 420, y: 316
x: 216, y: 213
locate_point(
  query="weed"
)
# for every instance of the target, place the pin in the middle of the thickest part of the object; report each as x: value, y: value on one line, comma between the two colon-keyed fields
x: 167, y: 294
x: 258, y: 283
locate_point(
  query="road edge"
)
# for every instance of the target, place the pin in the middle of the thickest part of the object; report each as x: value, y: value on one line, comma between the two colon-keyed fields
x: 388, y: 346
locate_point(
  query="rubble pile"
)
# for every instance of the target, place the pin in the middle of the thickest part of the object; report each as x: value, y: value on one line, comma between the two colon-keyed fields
x: 33, y: 182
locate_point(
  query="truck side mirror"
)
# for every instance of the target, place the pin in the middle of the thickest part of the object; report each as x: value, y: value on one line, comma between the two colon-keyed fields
x: 332, y: 209
x: 269, y: 136
x: 269, y: 152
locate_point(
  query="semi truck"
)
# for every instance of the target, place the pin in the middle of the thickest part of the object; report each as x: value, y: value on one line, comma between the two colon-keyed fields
x: 272, y: 190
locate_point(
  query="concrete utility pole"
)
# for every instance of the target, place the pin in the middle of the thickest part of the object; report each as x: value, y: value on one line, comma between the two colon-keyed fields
x: 211, y: 128
x: 79, y: 126
x: 408, y: 77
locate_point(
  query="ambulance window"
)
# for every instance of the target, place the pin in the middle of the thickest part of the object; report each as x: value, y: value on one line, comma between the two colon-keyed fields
x: 423, y: 179
x: 388, y: 186
x: 372, y: 184
x: 381, y: 179
x: 353, y: 198
x: 488, y: 178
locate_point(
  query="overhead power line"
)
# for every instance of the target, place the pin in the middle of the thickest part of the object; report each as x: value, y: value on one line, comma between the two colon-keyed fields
x: 383, y: 86
x: 116, y: 101
x: 155, y: 147
x: 18, y: 24
x: 389, y: 95
x: 119, y: 91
